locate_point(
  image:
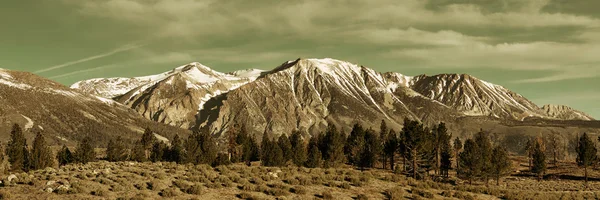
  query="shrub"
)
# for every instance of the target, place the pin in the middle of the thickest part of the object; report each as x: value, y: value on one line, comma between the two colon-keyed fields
x: 169, y: 192
x: 99, y: 192
x: 446, y: 193
x: 181, y: 184
x: 277, y: 192
x: 346, y: 186
x: 299, y: 190
x: 304, y: 180
x: 247, y: 196
x: 462, y: 195
x: 327, y: 195
x: 396, y: 193
x: 5, y: 194
x: 362, y: 197
x: 155, y: 185
x: 247, y: 187
x: 195, y: 189
x: 422, y: 193
x: 262, y: 188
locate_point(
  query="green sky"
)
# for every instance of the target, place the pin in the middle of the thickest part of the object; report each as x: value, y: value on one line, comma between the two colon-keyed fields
x: 546, y: 50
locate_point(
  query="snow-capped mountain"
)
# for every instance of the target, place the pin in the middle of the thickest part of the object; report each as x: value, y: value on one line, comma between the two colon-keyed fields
x: 565, y: 112
x: 475, y: 97
x: 65, y: 115
x: 309, y: 94
x: 173, y: 97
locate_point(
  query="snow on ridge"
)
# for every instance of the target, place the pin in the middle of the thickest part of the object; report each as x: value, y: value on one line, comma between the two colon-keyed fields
x: 29, y: 123
x: 7, y: 79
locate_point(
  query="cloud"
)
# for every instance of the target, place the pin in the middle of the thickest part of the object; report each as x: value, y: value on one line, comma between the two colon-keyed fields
x: 561, y: 76
x: 426, y: 33
x: 153, y: 58
x: 102, y: 55
x: 415, y: 36
x: 177, y: 18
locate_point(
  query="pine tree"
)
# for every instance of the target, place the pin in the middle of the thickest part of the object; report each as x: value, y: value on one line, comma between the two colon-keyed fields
x: 314, y: 154
x: 41, y: 155
x: 538, y: 160
x: 485, y: 152
x: 299, y: 153
x: 529, y: 149
x: 85, y: 152
x: 354, y: 145
x: 138, y: 153
x: 64, y: 156
x: 390, y: 147
x: 370, y: 150
x: 441, y: 139
x: 272, y: 155
x: 446, y: 156
x: 147, y: 141
x: 383, y: 135
x: 470, y: 161
x: 232, y: 144
x: 555, y: 148
x: 457, y: 147
x: 221, y: 159
x: 250, y: 149
x: 286, y: 147
x: 157, y: 153
x: 332, y: 147
x: 201, y: 147
x: 116, y: 150
x: 4, y: 164
x: 417, y: 142
x: 501, y: 164
x: 17, y: 150
x: 586, y: 153
x: 176, y: 152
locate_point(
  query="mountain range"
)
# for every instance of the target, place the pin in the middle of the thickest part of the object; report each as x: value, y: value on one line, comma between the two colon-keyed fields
x: 307, y: 95
x: 303, y: 95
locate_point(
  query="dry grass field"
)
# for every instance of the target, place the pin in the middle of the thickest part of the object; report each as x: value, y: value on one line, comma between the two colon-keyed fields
x: 132, y: 180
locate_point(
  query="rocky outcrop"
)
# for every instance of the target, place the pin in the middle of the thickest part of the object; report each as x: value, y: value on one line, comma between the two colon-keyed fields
x: 565, y: 113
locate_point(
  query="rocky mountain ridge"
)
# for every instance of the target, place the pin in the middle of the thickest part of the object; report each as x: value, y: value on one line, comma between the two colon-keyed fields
x: 309, y: 94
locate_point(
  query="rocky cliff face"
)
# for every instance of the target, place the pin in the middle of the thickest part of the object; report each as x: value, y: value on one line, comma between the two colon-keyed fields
x: 565, y: 112
x: 65, y: 115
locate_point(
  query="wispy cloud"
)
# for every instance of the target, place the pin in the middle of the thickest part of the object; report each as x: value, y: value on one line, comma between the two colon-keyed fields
x: 151, y: 58
x: 102, y: 55
x: 83, y: 71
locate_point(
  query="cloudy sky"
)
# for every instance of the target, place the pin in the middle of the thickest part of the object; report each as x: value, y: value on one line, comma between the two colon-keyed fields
x: 546, y: 50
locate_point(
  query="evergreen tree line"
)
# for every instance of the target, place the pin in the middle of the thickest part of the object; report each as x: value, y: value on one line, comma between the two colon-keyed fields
x: 421, y: 149
x: 40, y: 156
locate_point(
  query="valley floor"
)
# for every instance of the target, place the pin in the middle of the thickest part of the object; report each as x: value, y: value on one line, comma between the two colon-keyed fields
x: 132, y: 180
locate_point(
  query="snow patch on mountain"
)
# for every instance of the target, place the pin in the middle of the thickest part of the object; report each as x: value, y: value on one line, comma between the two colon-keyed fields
x: 29, y: 123
x: 7, y: 79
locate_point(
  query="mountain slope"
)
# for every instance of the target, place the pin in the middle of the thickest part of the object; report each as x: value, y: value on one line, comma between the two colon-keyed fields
x: 475, y: 97
x: 173, y: 97
x: 65, y: 115
x: 309, y: 94
x: 565, y: 112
